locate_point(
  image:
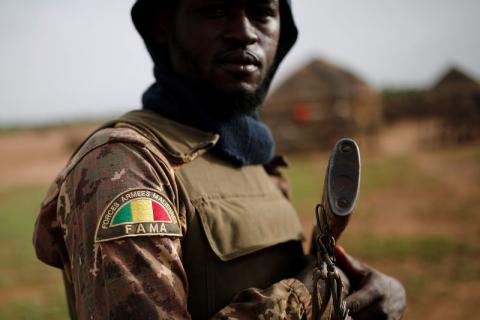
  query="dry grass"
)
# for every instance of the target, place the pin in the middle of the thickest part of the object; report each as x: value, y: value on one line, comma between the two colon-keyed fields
x: 418, y: 218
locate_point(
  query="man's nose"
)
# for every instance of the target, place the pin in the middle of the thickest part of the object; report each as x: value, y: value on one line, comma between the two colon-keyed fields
x: 240, y: 30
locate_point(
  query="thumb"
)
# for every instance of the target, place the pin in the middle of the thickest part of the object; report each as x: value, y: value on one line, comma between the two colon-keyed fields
x: 355, y: 270
x: 363, y: 300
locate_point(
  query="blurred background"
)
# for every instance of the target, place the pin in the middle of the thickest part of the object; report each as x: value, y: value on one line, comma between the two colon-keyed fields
x: 401, y: 77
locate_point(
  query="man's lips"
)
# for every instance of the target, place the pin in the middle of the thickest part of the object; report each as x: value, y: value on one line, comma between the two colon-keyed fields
x: 239, y: 62
x: 239, y: 68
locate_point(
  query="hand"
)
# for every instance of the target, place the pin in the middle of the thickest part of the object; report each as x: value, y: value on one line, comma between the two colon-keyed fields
x: 376, y: 295
x: 306, y: 276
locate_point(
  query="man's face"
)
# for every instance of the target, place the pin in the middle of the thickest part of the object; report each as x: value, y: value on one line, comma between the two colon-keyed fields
x: 226, y: 45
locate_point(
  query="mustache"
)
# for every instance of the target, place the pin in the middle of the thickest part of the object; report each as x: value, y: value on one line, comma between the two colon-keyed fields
x: 243, y: 56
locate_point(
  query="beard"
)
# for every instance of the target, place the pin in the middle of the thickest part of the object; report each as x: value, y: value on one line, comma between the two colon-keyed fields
x: 225, y: 105
x: 221, y: 104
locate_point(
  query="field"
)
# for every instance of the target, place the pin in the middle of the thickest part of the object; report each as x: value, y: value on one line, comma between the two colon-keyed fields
x: 418, y: 219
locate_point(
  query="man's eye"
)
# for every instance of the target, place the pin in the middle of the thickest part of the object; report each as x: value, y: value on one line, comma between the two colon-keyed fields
x: 214, y: 10
x: 263, y: 12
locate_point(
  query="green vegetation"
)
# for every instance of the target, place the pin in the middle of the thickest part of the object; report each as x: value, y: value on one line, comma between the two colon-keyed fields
x: 427, y: 249
x: 306, y: 177
x: 307, y: 174
x: 430, y: 239
x: 28, y: 288
x: 399, y: 172
x: 435, y: 265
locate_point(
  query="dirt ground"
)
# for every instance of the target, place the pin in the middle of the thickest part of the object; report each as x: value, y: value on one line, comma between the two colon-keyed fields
x: 439, y: 210
x: 434, y: 215
x: 34, y: 156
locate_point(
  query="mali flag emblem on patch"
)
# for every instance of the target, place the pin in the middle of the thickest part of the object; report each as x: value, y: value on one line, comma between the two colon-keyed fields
x: 138, y: 212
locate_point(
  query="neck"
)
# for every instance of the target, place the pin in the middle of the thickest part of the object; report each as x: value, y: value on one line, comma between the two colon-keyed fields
x: 244, y: 138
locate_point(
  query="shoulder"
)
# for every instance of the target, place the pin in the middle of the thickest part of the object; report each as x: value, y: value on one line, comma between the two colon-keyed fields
x: 119, y: 183
x: 100, y: 142
x: 112, y: 153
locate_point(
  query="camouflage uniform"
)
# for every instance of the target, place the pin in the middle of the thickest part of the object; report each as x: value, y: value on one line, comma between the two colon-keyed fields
x: 229, y: 251
x: 146, y: 224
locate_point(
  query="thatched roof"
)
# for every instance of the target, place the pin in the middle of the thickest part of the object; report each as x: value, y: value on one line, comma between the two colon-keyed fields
x: 320, y: 80
x: 454, y: 77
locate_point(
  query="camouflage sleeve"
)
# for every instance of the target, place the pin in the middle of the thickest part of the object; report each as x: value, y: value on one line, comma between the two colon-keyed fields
x: 128, y: 276
x: 287, y: 299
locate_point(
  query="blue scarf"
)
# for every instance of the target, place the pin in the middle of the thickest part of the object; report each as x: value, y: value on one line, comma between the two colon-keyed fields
x: 244, y: 139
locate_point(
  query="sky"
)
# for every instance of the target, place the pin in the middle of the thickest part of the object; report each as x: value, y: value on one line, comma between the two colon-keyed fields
x: 62, y: 60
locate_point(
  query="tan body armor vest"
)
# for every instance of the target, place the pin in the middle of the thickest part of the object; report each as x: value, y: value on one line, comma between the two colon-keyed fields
x: 241, y: 232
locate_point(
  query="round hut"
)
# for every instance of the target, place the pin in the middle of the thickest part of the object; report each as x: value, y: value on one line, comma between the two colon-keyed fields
x: 455, y: 99
x: 319, y: 104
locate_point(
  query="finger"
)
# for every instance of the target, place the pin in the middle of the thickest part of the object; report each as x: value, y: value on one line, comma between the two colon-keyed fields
x: 354, y: 269
x: 362, y: 299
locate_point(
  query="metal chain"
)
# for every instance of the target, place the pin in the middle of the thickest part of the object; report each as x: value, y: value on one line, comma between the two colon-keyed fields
x: 325, y: 270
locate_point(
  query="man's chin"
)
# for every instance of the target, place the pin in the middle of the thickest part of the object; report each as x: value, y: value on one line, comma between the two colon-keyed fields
x: 234, y: 89
x: 231, y: 101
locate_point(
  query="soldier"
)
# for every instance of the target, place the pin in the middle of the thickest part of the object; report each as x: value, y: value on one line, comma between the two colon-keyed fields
x: 178, y: 210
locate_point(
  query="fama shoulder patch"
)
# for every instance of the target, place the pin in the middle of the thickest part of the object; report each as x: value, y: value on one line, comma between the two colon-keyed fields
x: 138, y: 212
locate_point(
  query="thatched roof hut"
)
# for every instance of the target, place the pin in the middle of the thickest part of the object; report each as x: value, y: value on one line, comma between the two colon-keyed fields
x: 455, y: 79
x: 319, y: 104
x: 455, y: 99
